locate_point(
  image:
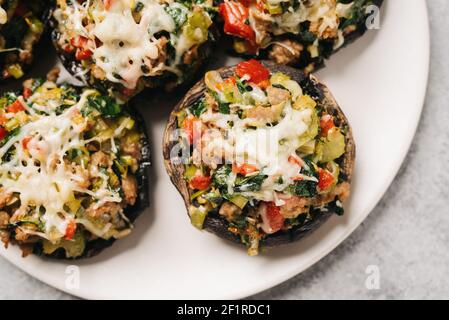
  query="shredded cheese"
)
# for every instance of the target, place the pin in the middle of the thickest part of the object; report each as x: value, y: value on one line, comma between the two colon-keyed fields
x: 128, y: 47
x: 38, y: 173
x: 266, y: 147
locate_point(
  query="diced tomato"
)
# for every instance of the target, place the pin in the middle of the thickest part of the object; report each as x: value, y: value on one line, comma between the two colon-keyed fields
x: 274, y: 216
x: 326, y: 123
x: 78, y: 41
x: 253, y: 69
x: 200, y: 182
x: 27, y: 92
x: 3, y: 133
x: 25, y: 142
x: 235, y: 16
x: 244, y: 169
x: 326, y: 179
x: 107, y: 4
x: 15, y: 107
x: 70, y: 230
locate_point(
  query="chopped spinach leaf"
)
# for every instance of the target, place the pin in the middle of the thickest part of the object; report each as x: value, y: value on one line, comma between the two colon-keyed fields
x: 243, y: 87
x: 198, y: 108
x: 178, y: 14
x: 220, y: 177
x: 239, y: 222
x: 223, y: 107
x: 250, y: 183
x: 306, y: 188
x: 10, y: 135
x: 106, y: 105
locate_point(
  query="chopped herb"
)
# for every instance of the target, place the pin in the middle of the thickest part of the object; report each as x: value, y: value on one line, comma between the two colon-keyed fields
x: 239, y: 222
x: 223, y: 107
x: 306, y: 188
x: 178, y: 14
x: 242, y: 86
x: 220, y: 177
x: 10, y: 135
x: 198, y: 108
x: 106, y: 105
x: 250, y: 183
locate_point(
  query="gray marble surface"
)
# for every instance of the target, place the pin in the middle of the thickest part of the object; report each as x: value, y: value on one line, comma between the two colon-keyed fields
x: 406, y: 237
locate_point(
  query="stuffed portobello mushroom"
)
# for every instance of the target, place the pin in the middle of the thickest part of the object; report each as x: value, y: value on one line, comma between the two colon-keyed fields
x: 72, y: 170
x: 300, y: 33
x: 261, y: 154
x: 21, y: 27
x: 125, y: 46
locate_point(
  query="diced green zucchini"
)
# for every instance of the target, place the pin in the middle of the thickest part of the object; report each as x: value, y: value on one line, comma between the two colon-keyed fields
x: 197, y: 216
x: 239, y: 200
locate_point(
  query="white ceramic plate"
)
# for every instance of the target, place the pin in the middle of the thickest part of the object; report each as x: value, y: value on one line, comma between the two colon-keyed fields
x: 379, y: 81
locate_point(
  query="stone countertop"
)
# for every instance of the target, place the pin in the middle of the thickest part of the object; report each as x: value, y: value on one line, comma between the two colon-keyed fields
x: 405, y: 238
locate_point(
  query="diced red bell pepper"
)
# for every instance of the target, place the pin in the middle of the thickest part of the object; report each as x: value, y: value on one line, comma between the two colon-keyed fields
x: 79, y: 41
x: 25, y: 142
x: 229, y: 81
x: 246, y: 3
x: 107, y: 4
x: 274, y: 216
x: 70, y: 230
x: 3, y: 133
x: 82, y: 52
x: 15, y: 107
x: 68, y: 48
x: 326, y: 123
x: 27, y: 92
x: 326, y: 179
x: 235, y: 16
x: 200, y: 182
x: 3, y: 119
x: 260, y: 5
x: 244, y: 169
x: 294, y: 159
x: 253, y: 69
x: 192, y: 128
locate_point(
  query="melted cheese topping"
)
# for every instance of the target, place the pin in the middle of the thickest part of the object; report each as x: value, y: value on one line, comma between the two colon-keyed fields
x: 268, y: 148
x: 3, y: 16
x: 39, y: 174
x: 326, y: 13
x: 127, y: 45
